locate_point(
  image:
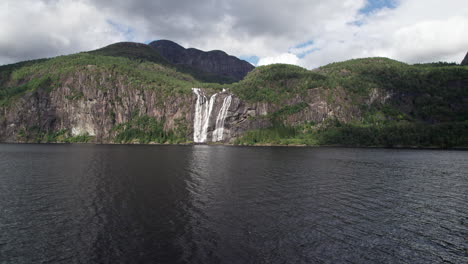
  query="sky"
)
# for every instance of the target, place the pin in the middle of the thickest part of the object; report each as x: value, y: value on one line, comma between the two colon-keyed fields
x: 308, y: 33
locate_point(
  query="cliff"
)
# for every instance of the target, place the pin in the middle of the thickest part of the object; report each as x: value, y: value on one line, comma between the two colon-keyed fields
x: 215, y: 62
x: 126, y: 93
x: 465, y: 60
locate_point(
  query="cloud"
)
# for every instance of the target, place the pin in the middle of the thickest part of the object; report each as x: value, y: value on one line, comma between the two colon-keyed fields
x: 272, y: 30
x: 414, y: 31
x: 36, y: 29
x: 287, y: 58
x: 240, y: 27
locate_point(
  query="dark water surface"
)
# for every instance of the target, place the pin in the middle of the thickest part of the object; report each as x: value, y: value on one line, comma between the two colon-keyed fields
x: 216, y: 204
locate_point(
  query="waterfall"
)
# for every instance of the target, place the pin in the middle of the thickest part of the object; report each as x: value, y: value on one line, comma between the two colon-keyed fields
x: 197, y: 120
x: 203, y: 109
x: 219, y: 129
x: 201, y: 120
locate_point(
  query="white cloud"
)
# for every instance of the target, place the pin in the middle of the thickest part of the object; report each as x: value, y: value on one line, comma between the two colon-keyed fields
x: 287, y: 58
x: 415, y: 31
x: 35, y: 29
x: 41, y: 28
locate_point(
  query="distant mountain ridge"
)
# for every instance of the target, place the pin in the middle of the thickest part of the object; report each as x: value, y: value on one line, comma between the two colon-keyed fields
x: 216, y: 61
x: 131, y: 50
x: 143, y: 52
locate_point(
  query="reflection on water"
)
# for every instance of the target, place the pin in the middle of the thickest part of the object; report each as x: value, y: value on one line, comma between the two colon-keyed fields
x: 216, y: 204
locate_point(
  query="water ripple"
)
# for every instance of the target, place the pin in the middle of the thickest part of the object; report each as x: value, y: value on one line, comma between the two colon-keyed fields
x: 200, y: 204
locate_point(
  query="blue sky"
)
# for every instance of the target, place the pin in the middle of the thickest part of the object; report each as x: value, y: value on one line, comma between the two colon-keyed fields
x: 125, y: 30
x: 374, y: 5
x: 252, y: 59
x: 301, y: 50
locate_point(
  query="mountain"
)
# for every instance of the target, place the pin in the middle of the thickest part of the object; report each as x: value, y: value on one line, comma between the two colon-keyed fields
x: 131, y: 50
x: 216, y: 61
x: 465, y: 60
x: 130, y: 93
x: 143, y: 52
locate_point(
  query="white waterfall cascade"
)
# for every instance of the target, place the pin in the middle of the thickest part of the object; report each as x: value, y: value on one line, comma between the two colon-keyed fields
x: 218, y: 133
x: 203, y: 109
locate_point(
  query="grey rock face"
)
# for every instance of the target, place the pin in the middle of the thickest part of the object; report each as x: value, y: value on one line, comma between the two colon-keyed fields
x: 243, y: 116
x: 93, y: 102
x: 97, y: 111
x: 465, y: 60
x: 216, y: 61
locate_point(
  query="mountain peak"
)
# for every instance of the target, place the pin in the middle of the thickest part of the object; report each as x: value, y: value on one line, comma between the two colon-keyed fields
x: 165, y: 43
x: 215, y: 61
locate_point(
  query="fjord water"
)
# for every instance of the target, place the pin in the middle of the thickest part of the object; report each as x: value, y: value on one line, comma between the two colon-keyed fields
x: 218, y: 204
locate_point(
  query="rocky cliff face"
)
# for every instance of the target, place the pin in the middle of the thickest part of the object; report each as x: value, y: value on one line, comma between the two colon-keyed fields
x: 465, y: 60
x: 216, y: 61
x: 85, y: 105
x: 244, y: 116
x: 90, y: 106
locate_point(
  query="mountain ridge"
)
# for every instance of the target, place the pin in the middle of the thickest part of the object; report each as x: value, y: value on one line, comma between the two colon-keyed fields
x: 128, y: 93
x: 215, y: 61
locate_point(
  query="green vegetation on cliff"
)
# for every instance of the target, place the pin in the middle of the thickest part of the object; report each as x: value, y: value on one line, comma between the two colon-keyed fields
x: 274, y: 83
x: 140, y: 75
x: 35, y: 134
x: 144, y: 53
x: 9, y: 94
x: 394, y: 134
x: 361, y: 75
x: 144, y: 130
x: 134, y: 51
x: 137, y: 64
x: 428, y: 105
x: 358, y: 76
x: 393, y: 103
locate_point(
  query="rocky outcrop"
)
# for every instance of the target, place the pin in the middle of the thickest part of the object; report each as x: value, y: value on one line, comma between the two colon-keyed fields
x: 222, y: 116
x: 242, y: 116
x: 465, y: 60
x: 216, y: 61
x: 88, y: 104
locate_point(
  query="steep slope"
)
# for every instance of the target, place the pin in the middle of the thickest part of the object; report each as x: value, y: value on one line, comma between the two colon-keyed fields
x: 215, y: 62
x: 374, y: 101
x: 85, y: 97
x: 465, y: 60
x: 429, y: 93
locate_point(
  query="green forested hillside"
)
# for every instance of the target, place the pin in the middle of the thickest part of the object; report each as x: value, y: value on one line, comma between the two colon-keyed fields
x: 18, y: 79
x: 427, y: 104
x: 428, y: 107
x: 274, y: 83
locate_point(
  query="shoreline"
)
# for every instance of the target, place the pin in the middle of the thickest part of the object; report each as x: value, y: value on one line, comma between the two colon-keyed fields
x: 254, y: 145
